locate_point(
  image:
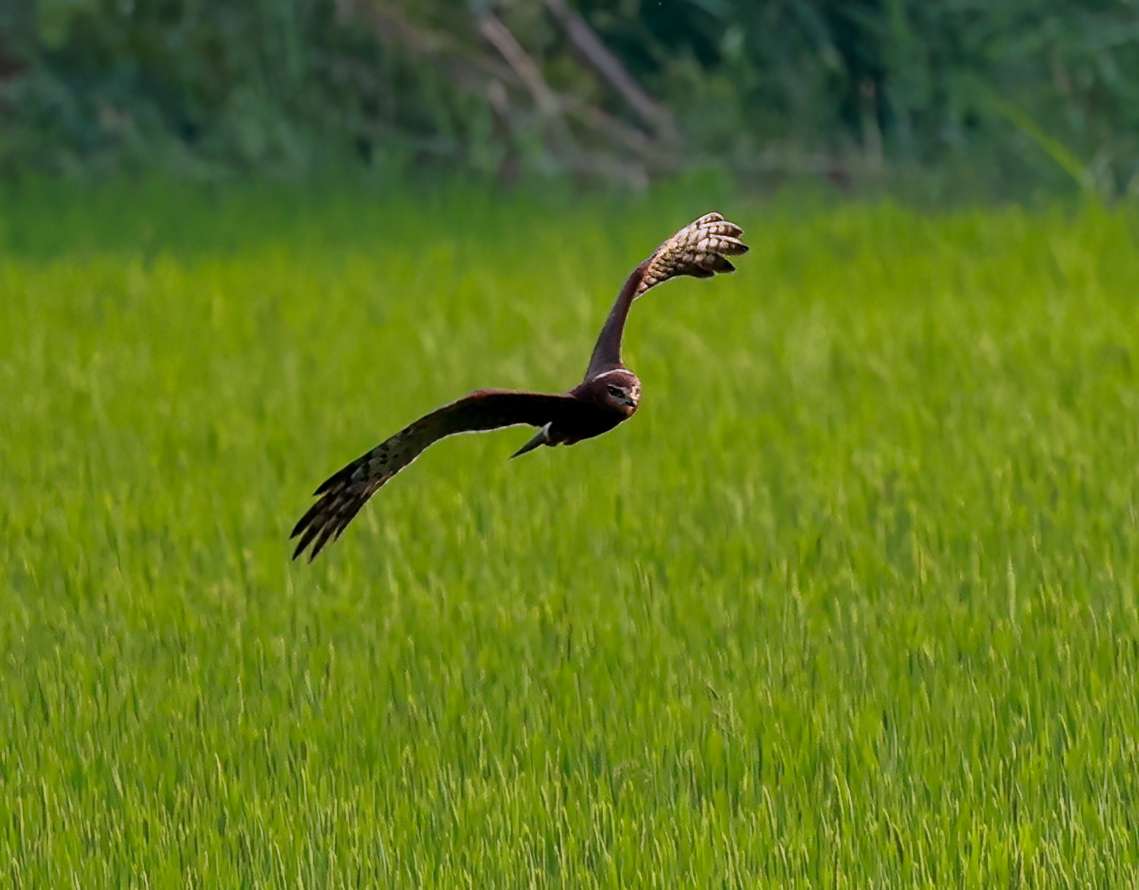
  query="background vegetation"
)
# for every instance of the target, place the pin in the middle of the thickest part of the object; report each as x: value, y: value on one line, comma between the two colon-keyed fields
x: 1006, y: 96
x: 851, y: 602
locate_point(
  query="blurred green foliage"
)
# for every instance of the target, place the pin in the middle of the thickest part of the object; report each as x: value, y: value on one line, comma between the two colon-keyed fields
x: 1011, y: 92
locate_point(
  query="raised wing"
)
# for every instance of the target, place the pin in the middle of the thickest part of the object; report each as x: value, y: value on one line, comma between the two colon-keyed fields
x: 700, y: 249
x: 346, y: 491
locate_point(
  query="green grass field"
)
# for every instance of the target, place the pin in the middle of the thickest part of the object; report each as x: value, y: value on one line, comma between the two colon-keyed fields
x: 851, y: 602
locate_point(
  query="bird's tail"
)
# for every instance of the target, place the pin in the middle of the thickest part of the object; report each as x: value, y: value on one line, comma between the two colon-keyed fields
x: 542, y: 437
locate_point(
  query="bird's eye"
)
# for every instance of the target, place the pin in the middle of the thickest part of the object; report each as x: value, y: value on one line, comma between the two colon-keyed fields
x: 614, y: 390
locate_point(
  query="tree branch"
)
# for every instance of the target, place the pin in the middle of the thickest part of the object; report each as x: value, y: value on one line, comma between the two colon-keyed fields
x: 495, y: 32
x: 489, y: 79
x: 658, y: 118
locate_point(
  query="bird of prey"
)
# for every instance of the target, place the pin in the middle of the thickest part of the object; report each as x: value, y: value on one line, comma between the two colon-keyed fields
x: 607, y: 396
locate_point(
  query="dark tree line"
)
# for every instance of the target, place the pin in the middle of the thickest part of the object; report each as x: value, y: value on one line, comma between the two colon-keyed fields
x: 611, y: 89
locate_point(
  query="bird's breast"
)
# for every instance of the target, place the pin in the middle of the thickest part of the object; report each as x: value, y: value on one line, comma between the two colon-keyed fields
x: 590, y: 423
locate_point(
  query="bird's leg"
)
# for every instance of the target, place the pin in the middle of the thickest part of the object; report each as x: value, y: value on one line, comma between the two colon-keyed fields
x: 542, y: 437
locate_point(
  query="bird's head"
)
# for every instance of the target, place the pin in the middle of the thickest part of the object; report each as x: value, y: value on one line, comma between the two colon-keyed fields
x: 619, y: 390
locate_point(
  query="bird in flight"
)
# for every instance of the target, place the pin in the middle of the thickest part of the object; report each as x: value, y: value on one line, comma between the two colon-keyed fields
x: 606, y: 397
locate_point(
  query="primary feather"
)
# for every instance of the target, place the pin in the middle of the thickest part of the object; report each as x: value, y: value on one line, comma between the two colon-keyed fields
x: 700, y: 249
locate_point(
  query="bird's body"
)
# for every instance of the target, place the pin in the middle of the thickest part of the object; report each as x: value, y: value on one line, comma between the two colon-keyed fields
x: 607, y: 396
x: 602, y: 402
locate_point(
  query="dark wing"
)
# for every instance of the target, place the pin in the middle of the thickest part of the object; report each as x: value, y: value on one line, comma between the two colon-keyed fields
x: 346, y: 491
x: 700, y: 249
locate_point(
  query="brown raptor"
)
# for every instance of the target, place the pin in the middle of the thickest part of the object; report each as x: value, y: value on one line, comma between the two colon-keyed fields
x: 606, y: 397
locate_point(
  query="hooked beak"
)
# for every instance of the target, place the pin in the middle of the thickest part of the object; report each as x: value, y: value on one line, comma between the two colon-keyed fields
x: 540, y: 438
